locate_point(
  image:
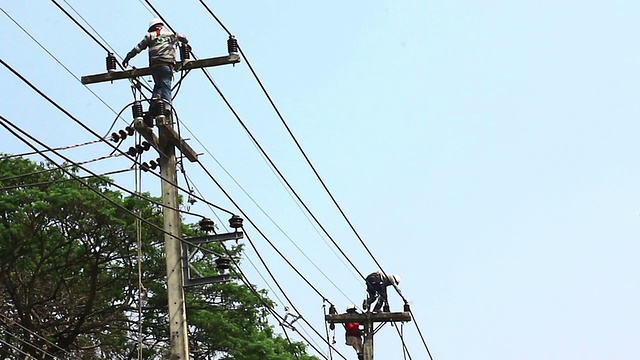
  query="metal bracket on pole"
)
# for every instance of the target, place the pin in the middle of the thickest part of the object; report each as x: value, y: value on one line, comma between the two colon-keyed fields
x: 186, y: 258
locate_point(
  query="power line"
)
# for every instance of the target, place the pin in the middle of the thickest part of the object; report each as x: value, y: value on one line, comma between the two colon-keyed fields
x: 58, y: 148
x: 17, y: 186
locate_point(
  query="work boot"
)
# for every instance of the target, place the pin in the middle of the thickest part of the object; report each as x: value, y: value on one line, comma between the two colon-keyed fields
x: 386, y: 308
x: 365, y: 305
x: 360, y: 356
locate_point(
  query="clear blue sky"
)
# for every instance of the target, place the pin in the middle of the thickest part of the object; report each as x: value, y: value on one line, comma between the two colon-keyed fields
x: 486, y: 151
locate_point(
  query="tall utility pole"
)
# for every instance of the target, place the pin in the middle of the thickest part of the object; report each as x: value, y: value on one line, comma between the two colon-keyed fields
x: 368, y: 320
x: 172, y: 227
x: 165, y: 143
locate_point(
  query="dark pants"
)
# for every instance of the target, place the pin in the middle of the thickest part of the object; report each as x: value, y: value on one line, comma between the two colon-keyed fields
x: 376, y: 291
x: 162, y: 77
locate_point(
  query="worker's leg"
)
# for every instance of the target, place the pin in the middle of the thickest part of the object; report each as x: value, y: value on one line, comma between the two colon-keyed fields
x: 162, y: 77
x: 382, y: 298
x: 371, y: 296
x: 373, y: 283
x: 355, y: 342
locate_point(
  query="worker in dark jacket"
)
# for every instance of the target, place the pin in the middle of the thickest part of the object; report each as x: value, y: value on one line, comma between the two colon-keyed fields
x: 162, y: 56
x: 353, y: 334
x: 377, y: 284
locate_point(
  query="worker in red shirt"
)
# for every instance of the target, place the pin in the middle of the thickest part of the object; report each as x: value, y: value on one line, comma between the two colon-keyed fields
x: 353, y: 334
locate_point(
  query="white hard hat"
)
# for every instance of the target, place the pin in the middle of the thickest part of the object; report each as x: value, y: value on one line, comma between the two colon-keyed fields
x: 394, y: 279
x: 351, y: 307
x: 154, y: 22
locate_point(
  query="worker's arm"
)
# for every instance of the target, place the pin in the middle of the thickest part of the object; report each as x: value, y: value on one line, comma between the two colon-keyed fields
x: 136, y: 50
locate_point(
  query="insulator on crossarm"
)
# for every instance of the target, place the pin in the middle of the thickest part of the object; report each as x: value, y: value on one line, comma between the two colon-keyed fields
x: 146, y: 146
x: 137, y: 110
x: 111, y: 62
x: 130, y: 131
x: 232, y: 45
x: 235, y: 222
x: 207, y: 224
x: 157, y: 108
x: 185, y: 52
x: 223, y: 263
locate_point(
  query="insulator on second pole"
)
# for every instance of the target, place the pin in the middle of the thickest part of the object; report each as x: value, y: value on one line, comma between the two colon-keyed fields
x: 111, y: 62
x: 232, y: 45
x: 235, y: 222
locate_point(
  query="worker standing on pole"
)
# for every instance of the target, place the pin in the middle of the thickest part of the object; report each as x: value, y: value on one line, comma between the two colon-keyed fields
x: 162, y: 56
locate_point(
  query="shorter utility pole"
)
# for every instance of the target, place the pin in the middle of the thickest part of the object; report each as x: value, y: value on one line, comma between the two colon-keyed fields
x: 368, y: 320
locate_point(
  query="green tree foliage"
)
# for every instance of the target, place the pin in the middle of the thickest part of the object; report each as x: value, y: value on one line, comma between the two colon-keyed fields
x: 69, y: 278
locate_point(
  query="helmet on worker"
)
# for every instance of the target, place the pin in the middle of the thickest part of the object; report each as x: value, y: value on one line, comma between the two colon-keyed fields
x: 394, y: 279
x: 351, y: 308
x: 154, y: 22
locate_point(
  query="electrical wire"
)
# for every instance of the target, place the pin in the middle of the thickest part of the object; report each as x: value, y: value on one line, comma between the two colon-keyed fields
x: 58, y: 148
x: 47, y: 170
x: 17, y: 186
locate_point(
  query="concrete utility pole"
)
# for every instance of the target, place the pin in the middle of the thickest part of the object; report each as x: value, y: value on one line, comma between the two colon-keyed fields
x: 165, y: 143
x: 368, y: 320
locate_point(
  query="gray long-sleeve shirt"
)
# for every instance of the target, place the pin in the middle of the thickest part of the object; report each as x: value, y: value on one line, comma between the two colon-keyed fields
x: 162, y: 46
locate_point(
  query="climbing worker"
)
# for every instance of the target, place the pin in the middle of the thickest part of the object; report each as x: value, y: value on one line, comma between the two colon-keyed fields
x: 162, y: 56
x: 377, y: 284
x: 353, y: 334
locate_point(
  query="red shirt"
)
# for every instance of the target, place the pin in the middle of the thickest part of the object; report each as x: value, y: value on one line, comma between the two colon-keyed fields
x: 352, y: 328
